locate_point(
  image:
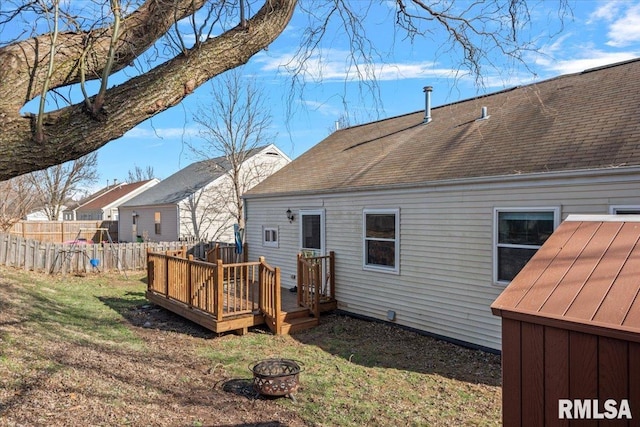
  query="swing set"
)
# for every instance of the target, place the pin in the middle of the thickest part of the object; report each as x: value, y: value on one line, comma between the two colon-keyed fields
x: 79, y: 248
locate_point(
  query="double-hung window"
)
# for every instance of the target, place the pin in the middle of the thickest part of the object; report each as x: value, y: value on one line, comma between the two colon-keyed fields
x: 381, y: 240
x: 624, y: 210
x: 519, y: 233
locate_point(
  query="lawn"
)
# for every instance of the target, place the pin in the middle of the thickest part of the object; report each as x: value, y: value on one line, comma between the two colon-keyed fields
x: 91, y: 351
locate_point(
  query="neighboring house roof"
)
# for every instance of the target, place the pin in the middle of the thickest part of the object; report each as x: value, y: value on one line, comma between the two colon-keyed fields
x: 186, y: 182
x: 112, y: 195
x: 587, y: 120
x: 584, y: 278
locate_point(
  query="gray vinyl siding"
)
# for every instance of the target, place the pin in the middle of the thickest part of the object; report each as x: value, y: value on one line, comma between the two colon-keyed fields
x: 445, y: 284
x: 146, y: 223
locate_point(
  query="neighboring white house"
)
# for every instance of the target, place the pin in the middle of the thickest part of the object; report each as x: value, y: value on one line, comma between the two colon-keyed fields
x: 431, y: 214
x: 196, y: 202
x: 41, y: 215
x: 103, y: 205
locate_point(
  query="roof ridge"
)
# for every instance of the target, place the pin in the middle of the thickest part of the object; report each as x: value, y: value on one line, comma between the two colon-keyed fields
x: 504, y: 90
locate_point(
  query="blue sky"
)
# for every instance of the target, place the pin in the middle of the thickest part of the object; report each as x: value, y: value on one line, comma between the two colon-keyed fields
x: 600, y: 32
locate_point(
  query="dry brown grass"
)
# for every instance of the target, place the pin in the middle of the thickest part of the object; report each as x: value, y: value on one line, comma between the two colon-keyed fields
x: 91, y: 351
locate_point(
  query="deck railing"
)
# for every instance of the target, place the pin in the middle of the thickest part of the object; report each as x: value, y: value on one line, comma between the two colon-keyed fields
x: 222, y: 290
x: 270, y: 298
x: 227, y: 253
x: 316, y: 281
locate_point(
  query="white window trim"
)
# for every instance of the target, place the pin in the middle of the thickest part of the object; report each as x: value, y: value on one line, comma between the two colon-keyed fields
x: 396, y: 268
x: 320, y: 212
x: 613, y: 209
x: 272, y: 243
x: 556, y: 223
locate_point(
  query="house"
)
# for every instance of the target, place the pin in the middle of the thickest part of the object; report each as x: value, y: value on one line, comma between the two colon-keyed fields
x: 196, y: 203
x: 41, y: 214
x: 431, y: 214
x: 571, y: 325
x: 104, y: 204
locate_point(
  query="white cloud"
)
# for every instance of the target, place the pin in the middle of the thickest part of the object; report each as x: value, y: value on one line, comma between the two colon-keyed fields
x: 323, y: 108
x: 160, y: 133
x: 608, y: 11
x: 337, y: 65
x: 626, y: 29
x: 592, y: 59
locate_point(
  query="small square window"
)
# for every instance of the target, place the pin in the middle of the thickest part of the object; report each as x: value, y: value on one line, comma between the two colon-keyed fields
x: 270, y: 237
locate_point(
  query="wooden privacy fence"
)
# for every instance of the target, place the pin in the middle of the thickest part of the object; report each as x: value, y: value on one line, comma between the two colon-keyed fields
x: 35, y: 255
x: 63, y: 231
x: 221, y: 291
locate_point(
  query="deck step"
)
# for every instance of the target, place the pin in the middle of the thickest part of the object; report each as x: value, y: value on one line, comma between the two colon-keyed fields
x: 299, y: 324
x: 295, y: 313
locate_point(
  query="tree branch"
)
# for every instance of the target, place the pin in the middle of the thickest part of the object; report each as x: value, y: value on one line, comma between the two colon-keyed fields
x: 71, y: 133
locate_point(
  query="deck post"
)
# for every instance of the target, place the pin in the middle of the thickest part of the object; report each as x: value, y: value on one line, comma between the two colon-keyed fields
x: 166, y: 276
x: 299, y: 280
x: 332, y: 274
x: 278, y: 302
x: 219, y: 289
x: 317, y: 281
x: 262, y: 297
x: 189, y: 281
x: 150, y: 271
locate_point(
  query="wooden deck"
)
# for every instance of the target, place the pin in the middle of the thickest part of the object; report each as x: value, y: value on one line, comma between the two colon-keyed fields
x: 230, y: 297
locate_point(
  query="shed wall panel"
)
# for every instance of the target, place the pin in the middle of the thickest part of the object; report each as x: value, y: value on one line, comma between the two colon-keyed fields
x: 556, y: 374
x: 532, y: 356
x: 511, y: 373
x: 613, y: 369
x: 583, y: 359
x: 634, y: 378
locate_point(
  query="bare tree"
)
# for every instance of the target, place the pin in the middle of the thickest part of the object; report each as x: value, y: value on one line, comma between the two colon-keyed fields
x: 56, y: 185
x: 138, y: 174
x: 204, y: 215
x: 234, y: 124
x: 18, y: 199
x: 51, y: 50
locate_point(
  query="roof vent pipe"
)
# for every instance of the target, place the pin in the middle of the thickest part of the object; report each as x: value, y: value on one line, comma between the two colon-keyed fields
x: 427, y: 103
x: 483, y: 113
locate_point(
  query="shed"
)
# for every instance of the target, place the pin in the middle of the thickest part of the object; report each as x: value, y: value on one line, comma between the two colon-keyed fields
x: 571, y: 324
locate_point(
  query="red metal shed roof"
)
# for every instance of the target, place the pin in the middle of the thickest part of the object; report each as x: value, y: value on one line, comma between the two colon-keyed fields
x: 586, y: 277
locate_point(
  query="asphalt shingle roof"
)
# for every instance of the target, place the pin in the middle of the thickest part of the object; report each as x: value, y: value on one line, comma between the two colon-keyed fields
x: 185, y: 182
x: 113, y: 194
x: 587, y: 120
